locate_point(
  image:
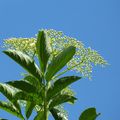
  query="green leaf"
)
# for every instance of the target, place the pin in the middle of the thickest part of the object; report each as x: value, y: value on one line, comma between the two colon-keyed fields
x: 57, y: 114
x: 43, y: 49
x: 60, y: 84
x: 60, y: 99
x: 11, y: 109
x: 16, y: 104
x: 33, y: 81
x: 9, y: 93
x: 25, y: 61
x: 28, y: 97
x: 29, y: 108
x: 89, y: 114
x: 6, y: 91
x: 39, y: 116
x: 59, y: 62
x: 23, y: 85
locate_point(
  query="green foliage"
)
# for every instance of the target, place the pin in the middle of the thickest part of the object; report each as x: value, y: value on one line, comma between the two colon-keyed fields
x: 9, y: 107
x: 81, y: 62
x: 25, y: 61
x: 60, y: 99
x: 57, y: 114
x: 29, y: 108
x: 40, y: 116
x: 42, y: 89
x: 33, y: 81
x: 9, y: 93
x: 43, y: 49
x: 28, y: 97
x: 23, y: 85
x: 59, y: 62
x: 89, y: 114
x: 61, y: 84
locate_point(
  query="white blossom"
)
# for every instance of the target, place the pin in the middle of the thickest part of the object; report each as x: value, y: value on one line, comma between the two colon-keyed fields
x: 81, y: 62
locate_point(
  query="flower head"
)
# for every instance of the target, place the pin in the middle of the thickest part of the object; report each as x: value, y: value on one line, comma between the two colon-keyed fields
x: 82, y: 60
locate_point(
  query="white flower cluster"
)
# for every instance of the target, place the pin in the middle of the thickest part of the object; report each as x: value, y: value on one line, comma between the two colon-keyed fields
x: 26, y: 45
x: 84, y: 57
x: 82, y: 60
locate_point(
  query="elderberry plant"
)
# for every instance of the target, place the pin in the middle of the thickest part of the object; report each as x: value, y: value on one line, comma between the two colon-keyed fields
x: 82, y: 60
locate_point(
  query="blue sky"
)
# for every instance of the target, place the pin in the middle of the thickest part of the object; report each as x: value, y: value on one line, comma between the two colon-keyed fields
x: 95, y: 22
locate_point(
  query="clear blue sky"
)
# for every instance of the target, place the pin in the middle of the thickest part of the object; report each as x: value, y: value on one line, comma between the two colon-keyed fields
x: 95, y: 22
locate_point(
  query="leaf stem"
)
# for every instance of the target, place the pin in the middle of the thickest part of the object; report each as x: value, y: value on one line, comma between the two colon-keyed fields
x: 45, y: 101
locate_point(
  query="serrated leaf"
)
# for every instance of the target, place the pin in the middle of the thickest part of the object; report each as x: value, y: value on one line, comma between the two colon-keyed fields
x: 59, y: 62
x: 29, y: 108
x: 60, y: 99
x: 57, y: 114
x: 43, y: 49
x: 25, y: 61
x: 28, y: 97
x: 89, y: 114
x: 32, y: 80
x: 60, y: 84
x: 35, y: 82
x: 11, y: 109
x: 23, y: 85
x: 8, y: 92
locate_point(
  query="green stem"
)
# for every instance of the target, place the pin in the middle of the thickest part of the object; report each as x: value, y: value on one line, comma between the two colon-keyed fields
x: 45, y: 102
x: 45, y: 106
